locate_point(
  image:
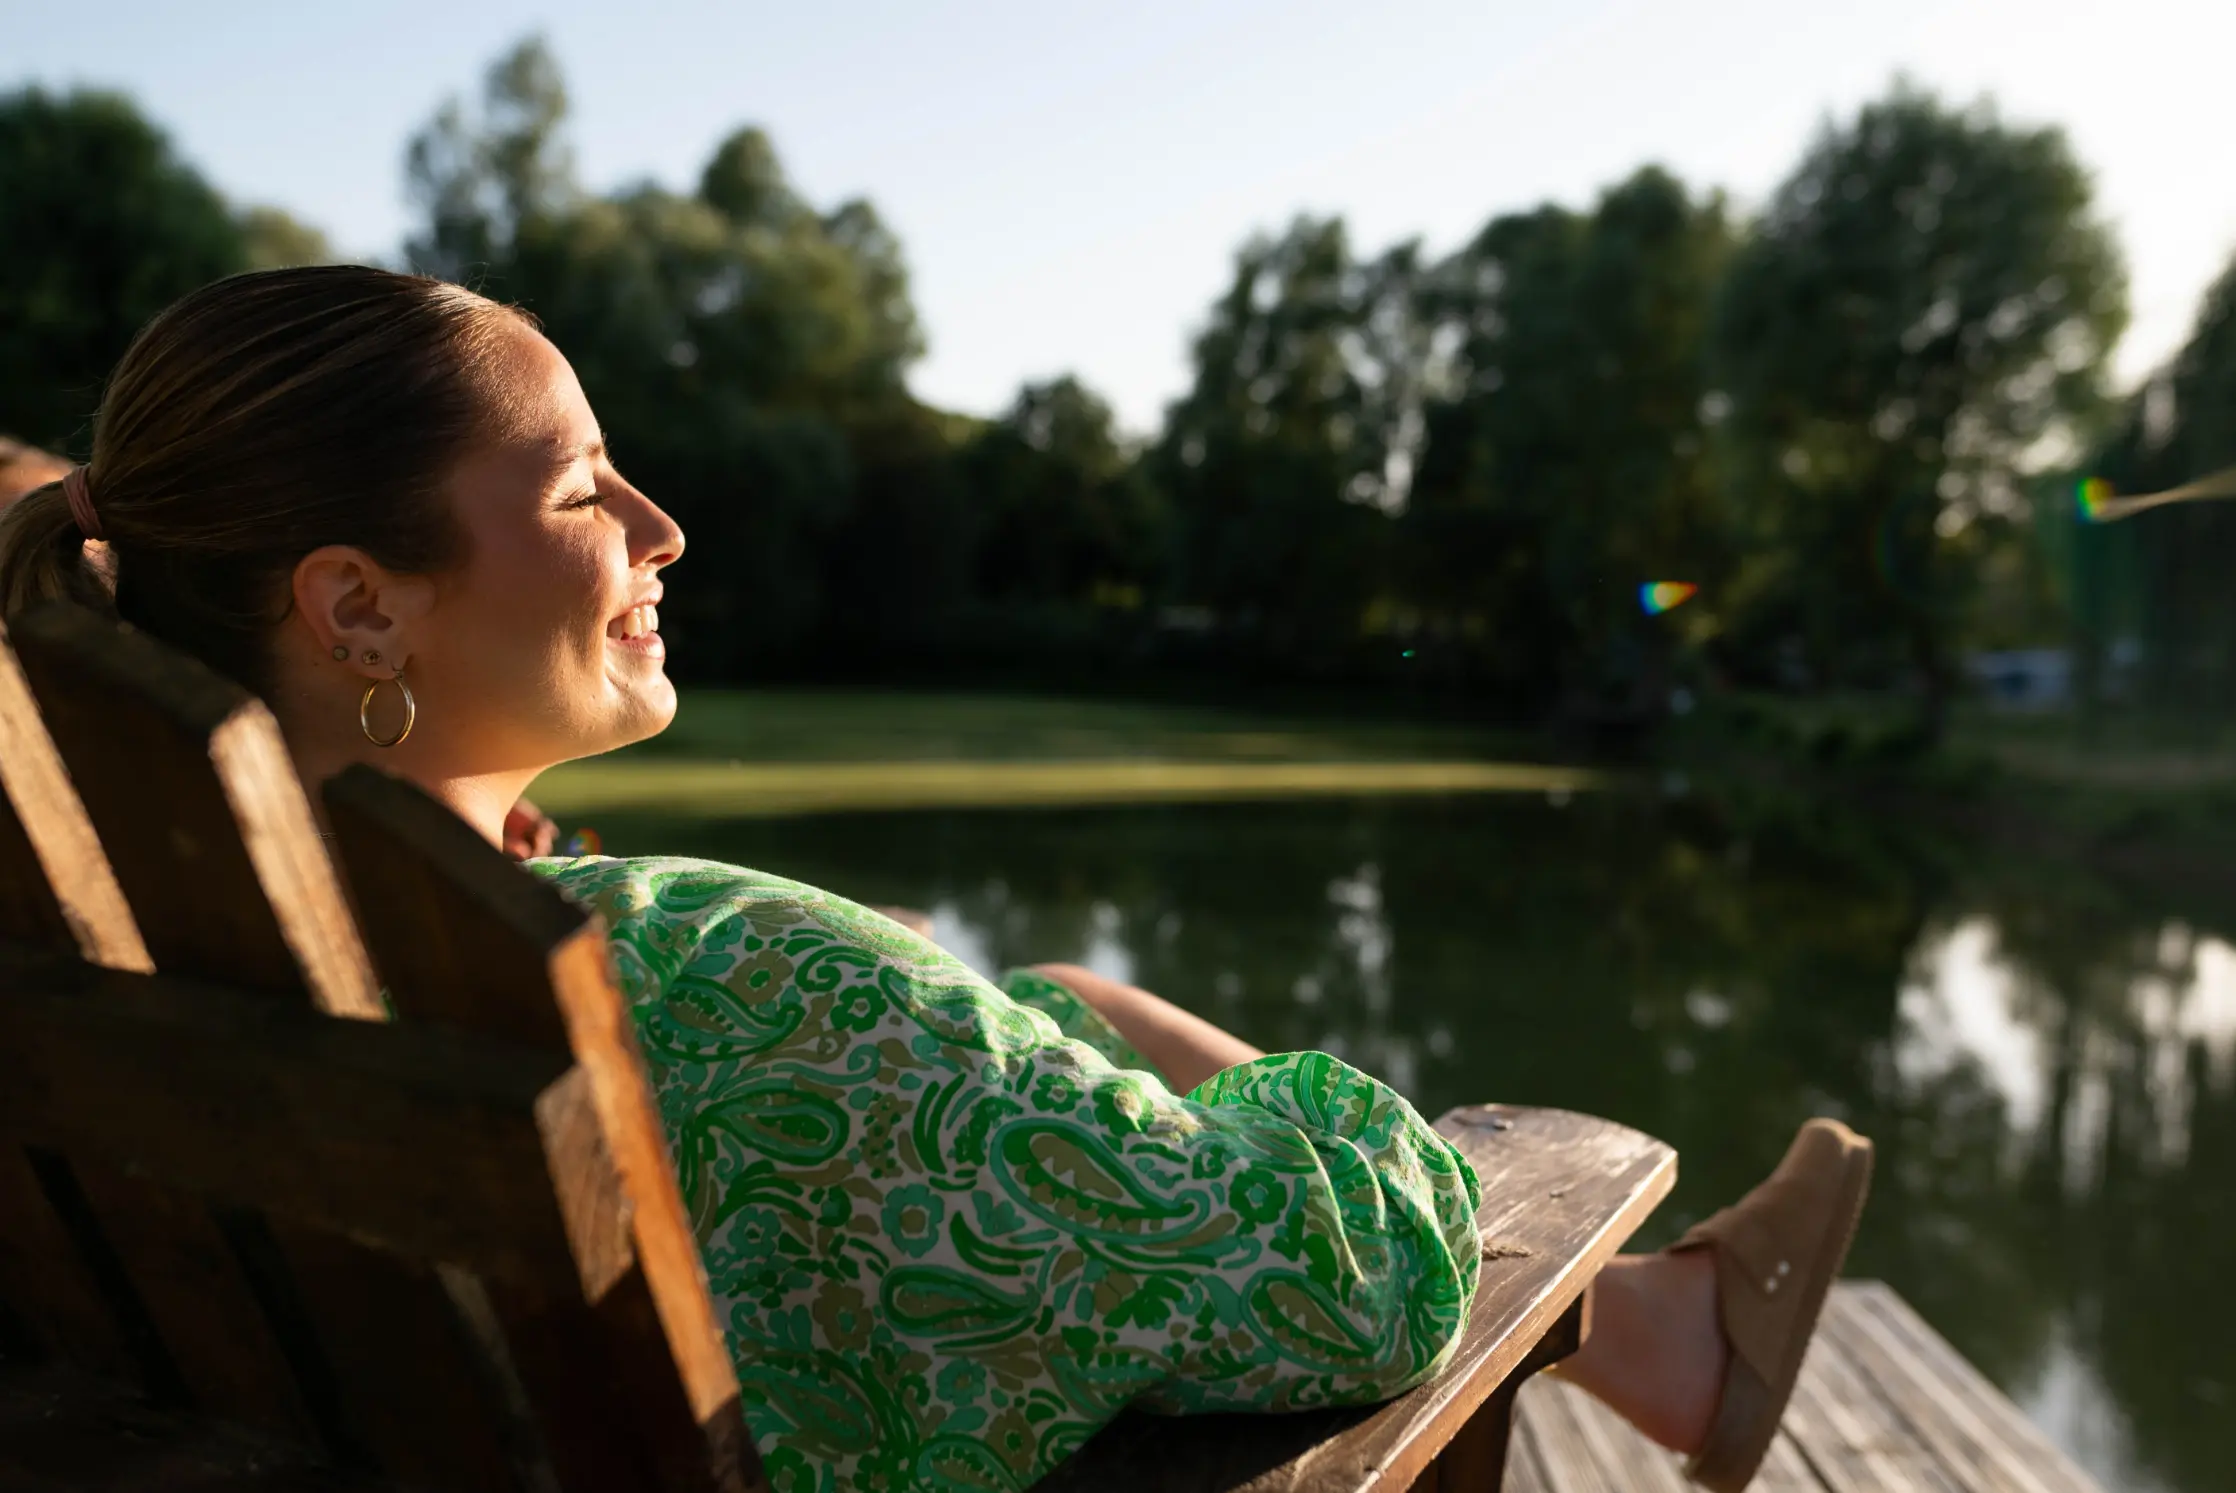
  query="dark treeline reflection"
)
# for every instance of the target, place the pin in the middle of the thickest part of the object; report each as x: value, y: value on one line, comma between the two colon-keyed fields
x: 2044, y: 1055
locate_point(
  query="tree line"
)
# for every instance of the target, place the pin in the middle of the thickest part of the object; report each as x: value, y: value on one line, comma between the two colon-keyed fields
x: 1440, y: 476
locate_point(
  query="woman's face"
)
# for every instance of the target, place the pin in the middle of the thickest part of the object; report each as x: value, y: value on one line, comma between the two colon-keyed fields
x: 545, y: 645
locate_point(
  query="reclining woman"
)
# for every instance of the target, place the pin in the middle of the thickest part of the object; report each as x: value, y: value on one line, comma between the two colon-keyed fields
x: 951, y: 1228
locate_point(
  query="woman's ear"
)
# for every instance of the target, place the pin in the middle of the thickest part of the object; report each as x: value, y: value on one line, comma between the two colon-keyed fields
x: 351, y: 602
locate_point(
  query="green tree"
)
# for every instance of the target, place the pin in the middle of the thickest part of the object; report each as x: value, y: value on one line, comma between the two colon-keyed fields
x: 1922, y: 313
x: 1565, y: 457
x: 2161, y: 577
x: 481, y: 179
x: 1065, y: 514
x: 275, y: 240
x: 103, y: 226
x: 1283, y: 461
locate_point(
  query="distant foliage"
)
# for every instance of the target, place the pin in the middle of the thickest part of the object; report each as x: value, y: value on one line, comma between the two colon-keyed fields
x: 1925, y: 308
x: 2159, y: 582
x: 1390, y: 472
x: 101, y: 226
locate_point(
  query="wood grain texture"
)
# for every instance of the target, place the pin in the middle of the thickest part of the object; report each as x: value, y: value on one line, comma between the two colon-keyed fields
x: 188, y: 784
x: 196, y: 1296
x: 63, y: 1430
x: 464, y: 939
x: 45, y: 1284
x: 1884, y: 1404
x: 1561, y: 1192
x: 56, y: 889
x: 410, y: 1388
x: 1476, y: 1457
x: 423, y: 1140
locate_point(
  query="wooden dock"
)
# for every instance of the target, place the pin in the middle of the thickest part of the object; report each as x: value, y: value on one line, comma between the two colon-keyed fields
x: 1884, y: 1405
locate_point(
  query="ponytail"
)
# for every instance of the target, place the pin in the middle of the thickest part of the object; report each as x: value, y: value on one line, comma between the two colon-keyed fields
x: 44, y: 556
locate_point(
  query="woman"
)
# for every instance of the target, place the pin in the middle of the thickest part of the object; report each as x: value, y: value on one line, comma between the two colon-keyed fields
x: 951, y: 1230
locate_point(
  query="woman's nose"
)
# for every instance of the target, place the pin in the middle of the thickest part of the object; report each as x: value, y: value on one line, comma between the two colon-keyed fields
x: 654, y: 538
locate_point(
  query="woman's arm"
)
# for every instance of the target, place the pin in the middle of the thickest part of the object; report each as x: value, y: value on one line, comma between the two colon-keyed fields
x: 1185, y: 1048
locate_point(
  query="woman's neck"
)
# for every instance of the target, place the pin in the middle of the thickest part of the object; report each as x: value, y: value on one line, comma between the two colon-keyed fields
x: 481, y: 800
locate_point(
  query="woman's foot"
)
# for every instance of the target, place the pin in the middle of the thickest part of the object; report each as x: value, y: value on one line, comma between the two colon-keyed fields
x: 1699, y: 1346
x: 1655, y: 1352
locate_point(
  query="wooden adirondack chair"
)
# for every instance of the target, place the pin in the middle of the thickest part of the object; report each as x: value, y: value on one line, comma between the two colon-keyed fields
x: 254, y: 1235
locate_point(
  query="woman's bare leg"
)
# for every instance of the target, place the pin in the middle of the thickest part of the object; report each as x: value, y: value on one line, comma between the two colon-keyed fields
x: 1185, y: 1048
x: 1656, y: 1351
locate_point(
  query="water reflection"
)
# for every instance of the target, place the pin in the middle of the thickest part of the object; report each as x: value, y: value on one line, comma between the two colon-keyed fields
x: 2046, y: 1055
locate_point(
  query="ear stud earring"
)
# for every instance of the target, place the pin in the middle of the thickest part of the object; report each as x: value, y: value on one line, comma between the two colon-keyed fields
x: 341, y: 654
x: 372, y: 655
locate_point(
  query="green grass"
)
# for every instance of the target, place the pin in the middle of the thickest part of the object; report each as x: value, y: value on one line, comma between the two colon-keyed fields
x: 836, y: 726
x: 744, y: 753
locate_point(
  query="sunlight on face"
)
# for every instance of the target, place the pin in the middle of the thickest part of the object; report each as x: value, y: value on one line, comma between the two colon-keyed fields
x: 545, y: 644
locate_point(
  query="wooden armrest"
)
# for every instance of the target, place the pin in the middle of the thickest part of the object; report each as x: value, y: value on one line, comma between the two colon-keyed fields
x: 1561, y: 1192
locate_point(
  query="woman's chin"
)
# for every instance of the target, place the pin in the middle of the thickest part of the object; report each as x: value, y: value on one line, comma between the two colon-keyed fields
x: 647, y: 708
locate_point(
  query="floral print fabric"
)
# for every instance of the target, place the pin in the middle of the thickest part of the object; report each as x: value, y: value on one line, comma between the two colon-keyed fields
x: 949, y: 1237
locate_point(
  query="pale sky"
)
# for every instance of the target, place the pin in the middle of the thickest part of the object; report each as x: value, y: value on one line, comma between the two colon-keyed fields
x: 1071, y: 181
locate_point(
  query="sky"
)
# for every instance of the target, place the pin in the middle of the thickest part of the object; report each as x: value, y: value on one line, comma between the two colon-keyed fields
x: 1071, y: 181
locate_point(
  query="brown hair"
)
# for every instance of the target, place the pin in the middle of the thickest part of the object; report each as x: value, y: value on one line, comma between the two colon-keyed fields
x: 253, y: 421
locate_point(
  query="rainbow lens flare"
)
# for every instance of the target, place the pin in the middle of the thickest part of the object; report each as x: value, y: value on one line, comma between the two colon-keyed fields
x: 1657, y: 597
x: 2090, y: 495
x: 583, y: 841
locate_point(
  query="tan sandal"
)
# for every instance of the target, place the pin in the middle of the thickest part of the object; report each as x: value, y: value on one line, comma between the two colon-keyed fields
x: 1778, y: 1250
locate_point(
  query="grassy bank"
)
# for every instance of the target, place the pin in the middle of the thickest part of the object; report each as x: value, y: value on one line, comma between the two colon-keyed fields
x: 747, y: 753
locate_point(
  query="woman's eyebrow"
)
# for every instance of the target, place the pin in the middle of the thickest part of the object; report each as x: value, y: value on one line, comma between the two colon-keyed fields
x: 564, y: 454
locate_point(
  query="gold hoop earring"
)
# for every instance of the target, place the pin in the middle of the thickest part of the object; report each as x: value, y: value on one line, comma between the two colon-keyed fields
x: 365, y: 710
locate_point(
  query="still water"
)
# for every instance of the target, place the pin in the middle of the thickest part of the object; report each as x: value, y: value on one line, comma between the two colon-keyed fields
x: 2045, y: 1055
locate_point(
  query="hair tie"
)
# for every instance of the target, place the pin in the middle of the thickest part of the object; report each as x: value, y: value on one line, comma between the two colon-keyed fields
x: 79, y: 491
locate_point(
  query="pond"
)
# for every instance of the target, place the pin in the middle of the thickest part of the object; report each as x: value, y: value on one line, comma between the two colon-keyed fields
x: 2046, y: 1055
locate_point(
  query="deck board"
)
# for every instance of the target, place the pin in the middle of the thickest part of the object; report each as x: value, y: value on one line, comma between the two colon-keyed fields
x: 1884, y: 1405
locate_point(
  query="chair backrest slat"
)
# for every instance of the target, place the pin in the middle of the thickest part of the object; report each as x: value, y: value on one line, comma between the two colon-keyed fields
x: 550, y: 1331
x: 128, y: 1274
x: 464, y: 939
x: 52, y: 1306
x: 56, y: 894
x: 188, y: 785
x: 56, y: 889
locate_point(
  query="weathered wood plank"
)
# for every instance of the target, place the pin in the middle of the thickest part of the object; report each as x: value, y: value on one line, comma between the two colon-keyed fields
x: 1577, y: 1445
x: 63, y: 1430
x: 1948, y: 1405
x: 43, y: 1281
x: 1561, y: 1192
x: 1854, y: 1439
x: 57, y: 895
x: 465, y: 940
x: 196, y: 1296
x: 425, y: 1140
x: 1476, y: 1457
x: 56, y: 889
x: 188, y: 784
x: 1884, y: 1403
x: 411, y: 1389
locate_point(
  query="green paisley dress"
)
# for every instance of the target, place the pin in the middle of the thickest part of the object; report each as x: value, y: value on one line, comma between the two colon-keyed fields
x: 951, y: 1229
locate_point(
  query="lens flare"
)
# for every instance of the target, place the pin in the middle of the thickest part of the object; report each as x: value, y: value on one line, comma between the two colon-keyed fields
x: 584, y: 841
x: 1657, y: 597
x: 2098, y: 504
